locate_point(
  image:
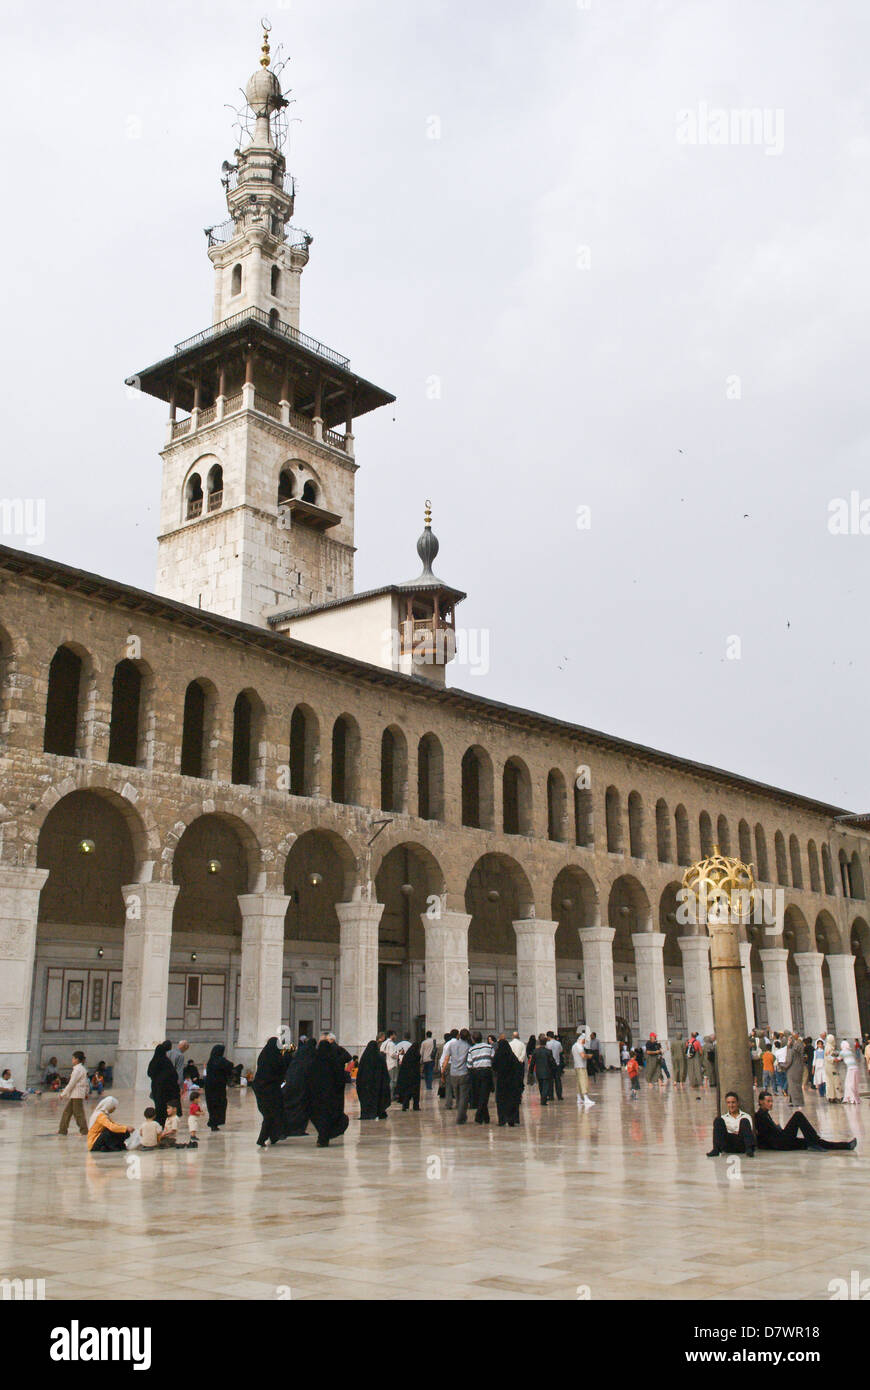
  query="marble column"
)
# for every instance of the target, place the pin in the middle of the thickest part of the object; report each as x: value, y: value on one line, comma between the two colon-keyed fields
x: 262, y: 972
x: 809, y: 964
x: 446, y: 971
x: 696, y: 983
x: 597, y: 946
x: 358, y: 973
x: 536, y: 975
x: 144, y: 980
x: 19, y: 911
x: 845, y: 996
x: 746, y: 963
x: 774, y: 961
x: 651, y: 997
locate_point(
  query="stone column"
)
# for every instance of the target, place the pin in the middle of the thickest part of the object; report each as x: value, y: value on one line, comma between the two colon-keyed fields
x: 777, y: 999
x: 746, y: 963
x: 19, y: 911
x: 733, y: 1062
x: 144, y: 980
x: 261, y: 972
x: 446, y: 971
x: 597, y: 946
x: 845, y: 995
x: 809, y: 964
x: 536, y: 975
x: 358, y: 973
x: 696, y: 982
x: 651, y: 998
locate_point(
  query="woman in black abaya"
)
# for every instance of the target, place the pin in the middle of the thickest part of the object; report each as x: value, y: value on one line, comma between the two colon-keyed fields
x: 271, y: 1066
x: 408, y: 1086
x: 164, y: 1083
x: 507, y: 1071
x: 294, y: 1092
x: 373, y: 1084
x: 326, y: 1093
x: 217, y: 1075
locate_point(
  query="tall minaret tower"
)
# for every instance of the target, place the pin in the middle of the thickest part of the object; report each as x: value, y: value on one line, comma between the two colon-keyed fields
x: 258, y: 481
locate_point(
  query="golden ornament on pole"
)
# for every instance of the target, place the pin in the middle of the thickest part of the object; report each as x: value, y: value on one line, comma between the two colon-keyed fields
x: 724, y: 893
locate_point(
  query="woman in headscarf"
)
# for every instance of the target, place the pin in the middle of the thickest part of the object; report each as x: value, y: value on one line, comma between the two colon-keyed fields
x: 850, y: 1089
x: 794, y: 1069
x: 833, y: 1083
x: 266, y: 1085
x: 373, y: 1083
x: 507, y: 1072
x: 708, y: 1062
x: 819, y: 1067
x: 693, y: 1061
x: 678, y: 1058
x: 408, y: 1085
x: 294, y: 1092
x: 217, y: 1075
x: 164, y: 1083
x: 104, y: 1136
x: 326, y: 1093
x: 531, y: 1049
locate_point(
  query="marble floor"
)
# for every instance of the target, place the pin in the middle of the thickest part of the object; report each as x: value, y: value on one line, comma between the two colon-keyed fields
x: 615, y: 1202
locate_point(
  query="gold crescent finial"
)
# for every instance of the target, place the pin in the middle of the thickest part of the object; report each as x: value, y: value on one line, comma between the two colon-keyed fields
x: 427, y: 515
x: 264, y: 52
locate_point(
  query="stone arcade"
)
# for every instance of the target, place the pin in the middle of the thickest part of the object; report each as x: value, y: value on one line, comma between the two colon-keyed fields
x: 252, y: 797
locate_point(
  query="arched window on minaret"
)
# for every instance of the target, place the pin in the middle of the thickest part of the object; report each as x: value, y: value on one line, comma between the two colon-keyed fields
x: 237, y: 280
x: 274, y: 318
x: 276, y: 281
x: 215, y: 487
x: 309, y: 492
x: 194, y: 496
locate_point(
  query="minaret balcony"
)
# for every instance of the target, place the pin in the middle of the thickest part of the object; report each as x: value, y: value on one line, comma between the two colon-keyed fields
x: 280, y: 411
x: 429, y: 641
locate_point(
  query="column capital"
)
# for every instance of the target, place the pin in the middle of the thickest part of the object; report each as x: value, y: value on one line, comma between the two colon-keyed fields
x: 810, y: 960
x: 21, y: 879
x: 654, y: 939
x: 535, y: 926
x: 362, y: 912
x: 597, y: 935
x: 159, y: 897
x: 774, y: 954
x: 694, y: 945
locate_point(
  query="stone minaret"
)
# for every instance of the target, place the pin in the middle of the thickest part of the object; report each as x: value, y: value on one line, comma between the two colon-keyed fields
x: 258, y: 481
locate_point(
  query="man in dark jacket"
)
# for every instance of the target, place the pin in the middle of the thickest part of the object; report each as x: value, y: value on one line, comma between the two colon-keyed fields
x: 797, y: 1134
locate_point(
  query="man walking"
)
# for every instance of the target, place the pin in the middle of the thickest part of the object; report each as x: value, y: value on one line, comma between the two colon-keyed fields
x: 518, y: 1047
x: 390, y: 1050
x: 74, y: 1093
x: 175, y: 1056
x: 555, y: 1046
x: 480, y: 1069
x: 427, y: 1059
x: 454, y: 1070
x: 581, y: 1070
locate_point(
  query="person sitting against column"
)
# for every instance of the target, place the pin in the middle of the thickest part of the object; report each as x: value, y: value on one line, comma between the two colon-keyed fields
x: 797, y: 1134
x: 733, y: 1132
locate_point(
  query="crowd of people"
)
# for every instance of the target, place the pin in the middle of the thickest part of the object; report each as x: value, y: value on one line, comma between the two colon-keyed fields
x: 305, y: 1083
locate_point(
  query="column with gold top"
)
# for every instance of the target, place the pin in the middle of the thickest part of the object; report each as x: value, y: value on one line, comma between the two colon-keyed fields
x: 722, y: 891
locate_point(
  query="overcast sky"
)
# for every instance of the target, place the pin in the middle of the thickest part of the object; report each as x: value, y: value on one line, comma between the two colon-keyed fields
x: 582, y: 296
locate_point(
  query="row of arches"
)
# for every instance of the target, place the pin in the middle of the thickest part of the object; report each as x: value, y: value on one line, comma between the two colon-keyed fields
x: 210, y: 496
x: 216, y: 859
x: 673, y: 845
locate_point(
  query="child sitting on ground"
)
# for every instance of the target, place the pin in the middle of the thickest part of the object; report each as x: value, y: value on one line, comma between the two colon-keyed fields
x: 150, y: 1131
x: 170, y: 1129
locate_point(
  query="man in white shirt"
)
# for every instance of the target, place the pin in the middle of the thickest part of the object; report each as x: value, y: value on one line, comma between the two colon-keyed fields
x: 733, y: 1132
x: 580, y: 1060
x: 390, y: 1049
x: 518, y: 1048
x: 74, y: 1093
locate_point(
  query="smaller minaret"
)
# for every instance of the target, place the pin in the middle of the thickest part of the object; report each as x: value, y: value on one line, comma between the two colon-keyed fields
x: 427, y: 625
